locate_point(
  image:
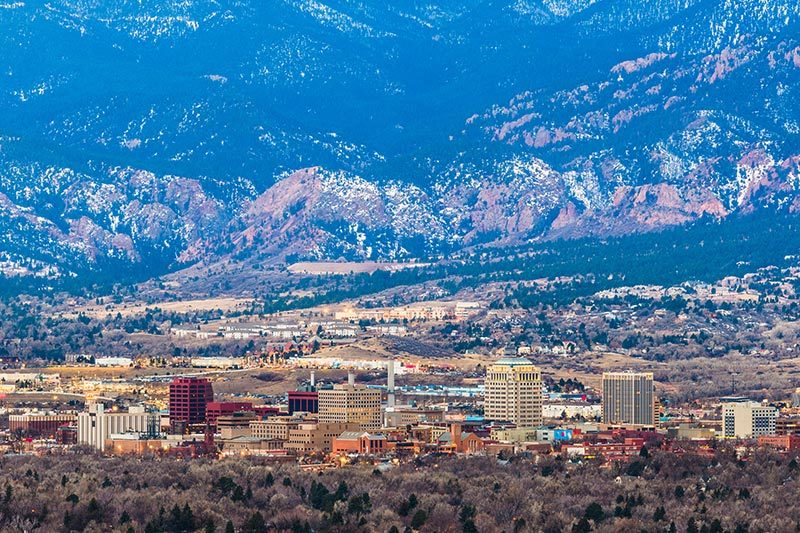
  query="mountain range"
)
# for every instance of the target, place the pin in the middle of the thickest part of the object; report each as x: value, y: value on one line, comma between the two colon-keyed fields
x: 144, y: 136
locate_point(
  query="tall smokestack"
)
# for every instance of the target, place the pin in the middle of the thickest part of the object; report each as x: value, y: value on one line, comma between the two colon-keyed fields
x: 313, y: 379
x: 390, y: 382
x: 351, y: 379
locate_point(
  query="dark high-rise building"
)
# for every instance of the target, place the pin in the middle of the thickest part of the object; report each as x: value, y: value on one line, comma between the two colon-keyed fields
x: 628, y: 398
x: 188, y: 398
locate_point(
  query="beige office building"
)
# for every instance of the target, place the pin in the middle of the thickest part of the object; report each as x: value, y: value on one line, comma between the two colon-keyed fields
x: 748, y: 420
x: 514, y: 392
x: 316, y: 437
x: 351, y: 404
x: 628, y: 398
x: 275, y: 427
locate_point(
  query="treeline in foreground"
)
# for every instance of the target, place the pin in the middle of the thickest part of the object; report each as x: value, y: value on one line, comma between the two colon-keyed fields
x: 656, y: 492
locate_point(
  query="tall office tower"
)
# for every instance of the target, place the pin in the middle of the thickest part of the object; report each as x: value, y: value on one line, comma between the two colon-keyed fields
x: 514, y: 392
x: 352, y: 404
x: 628, y: 398
x: 748, y: 420
x: 188, y: 398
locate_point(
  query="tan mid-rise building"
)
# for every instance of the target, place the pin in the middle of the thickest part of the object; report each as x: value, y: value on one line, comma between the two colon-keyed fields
x: 514, y: 392
x: 316, y: 437
x: 235, y: 425
x: 351, y: 404
x: 275, y: 427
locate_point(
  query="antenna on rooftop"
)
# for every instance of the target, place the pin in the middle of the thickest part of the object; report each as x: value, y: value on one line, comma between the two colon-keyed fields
x: 733, y: 382
x: 390, y: 382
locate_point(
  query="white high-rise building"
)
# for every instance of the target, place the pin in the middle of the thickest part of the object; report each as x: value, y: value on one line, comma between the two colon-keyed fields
x: 96, y: 425
x: 514, y: 392
x: 628, y: 398
x: 747, y: 420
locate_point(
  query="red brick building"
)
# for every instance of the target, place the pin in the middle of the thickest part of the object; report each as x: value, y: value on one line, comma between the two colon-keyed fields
x: 67, y: 435
x: 780, y: 442
x: 361, y: 442
x: 615, y: 451
x: 188, y: 398
x: 215, y: 410
x: 265, y: 410
x: 40, y: 424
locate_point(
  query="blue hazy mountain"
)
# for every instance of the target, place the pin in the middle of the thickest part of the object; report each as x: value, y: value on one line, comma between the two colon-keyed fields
x: 151, y: 134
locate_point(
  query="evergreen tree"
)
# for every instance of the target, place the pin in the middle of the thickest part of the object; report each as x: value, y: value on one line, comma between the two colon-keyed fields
x: 255, y: 524
x: 419, y: 519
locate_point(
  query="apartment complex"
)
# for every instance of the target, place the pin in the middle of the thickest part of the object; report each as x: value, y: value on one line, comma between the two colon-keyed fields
x: 514, y: 392
x: 628, y: 398
x: 351, y: 404
x: 748, y: 420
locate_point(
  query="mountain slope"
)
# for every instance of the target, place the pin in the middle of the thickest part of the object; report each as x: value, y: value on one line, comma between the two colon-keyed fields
x: 150, y: 134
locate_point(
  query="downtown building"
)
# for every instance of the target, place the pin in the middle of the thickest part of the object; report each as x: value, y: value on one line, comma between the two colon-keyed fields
x: 513, y: 392
x: 96, y: 426
x: 748, y: 420
x: 351, y: 404
x: 629, y: 399
x: 37, y: 424
x: 188, y: 399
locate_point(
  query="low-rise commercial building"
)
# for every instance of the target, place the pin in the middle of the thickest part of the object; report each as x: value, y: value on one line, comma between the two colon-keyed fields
x: 275, y: 427
x: 402, y: 416
x: 215, y: 410
x: 235, y: 425
x: 361, y: 442
x: 37, y: 424
x: 316, y: 437
x: 251, y: 446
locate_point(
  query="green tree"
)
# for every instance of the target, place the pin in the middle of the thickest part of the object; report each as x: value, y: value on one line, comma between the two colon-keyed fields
x: 659, y: 514
x: 419, y: 519
x: 594, y: 512
x: 255, y: 524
